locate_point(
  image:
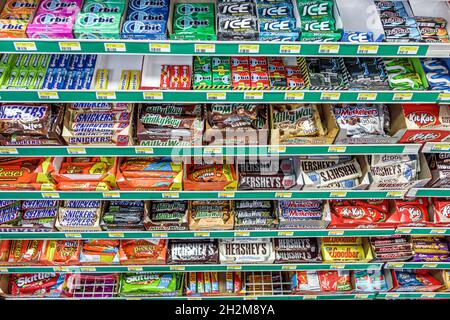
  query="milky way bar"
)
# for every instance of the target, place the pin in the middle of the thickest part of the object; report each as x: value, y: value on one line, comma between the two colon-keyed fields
x: 340, y: 172
x: 191, y: 109
x: 250, y: 204
x: 255, y: 221
x: 168, y: 206
x: 296, y: 244
x: 255, y: 213
x: 168, y: 121
x: 82, y: 203
x: 168, y: 216
x: 266, y: 182
x: 100, y: 116
x: 37, y: 204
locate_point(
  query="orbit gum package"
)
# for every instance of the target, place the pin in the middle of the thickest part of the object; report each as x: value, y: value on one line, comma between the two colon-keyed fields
x: 15, y: 16
x: 193, y: 21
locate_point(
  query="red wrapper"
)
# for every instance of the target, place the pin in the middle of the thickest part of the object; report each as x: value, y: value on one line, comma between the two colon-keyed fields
x: 258, y: 64
x: 259, y: 79
x: 165, y: 77
x: 359, y: 214
x: 37, y: 284
x: 240, y: 64
x: 241, y: 79
x: 441, y: 211
x: 334, y: 280
x: 180, y: 77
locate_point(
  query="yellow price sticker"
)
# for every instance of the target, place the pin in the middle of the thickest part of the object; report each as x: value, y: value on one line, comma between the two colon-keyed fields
x: 48, y: 95
x: 88, y: 269
x: 402, y: 96
x: 290, y: 48
x: 8, y: 150
x: 367, y: 96
x: 444, y: 96
x: 361, y: 296
x: 226, y: 194
x: 25, y: 46
x: 337, y: 266
x: 204, y: 48
x: 395, y: 194
x: 329, y: 48
x: 404, y: 230
x: 234, y: 267
x: 288, y: 267
x: 408, y: 50
x: 195, y: 298
x: 242, y: 234
x: 2, y: 269
x: 428, y: 295
x: 338, y: 194
x: 438, y: 231
x: 60, y: 269
x: 105, y: 95
x: 395, y: 265
x: 177, y: 268
x: 111, y: 194
x: 430, y: 265
x: 76, y: 150
x: 170, y: 195
x: 116, y: 235
x: 253, y: 95
x: 250, y: 297
x: 72, y: 235
x: 392, y: 295
x: 201, y: 234
x: 440, y: 147
x: 159, y: 235
x: 337, y: 149
x: 285, y: 233
x: 277, y: 149
x: 212, y: 150
x: 283, y: 194
x: 50, y: 195
x: 143, y: 150
x: 216, y: 96
x: 69, y: 46
x: 367, y: 49
x: 159, y: 47
x: 330, y: 96
x: 115, y: 47
x: 292, y: 96
x: 248, y: 48
x: 135, y: 268
x: 309, y: 297
x: 153, y: 96
x: 336, y: 232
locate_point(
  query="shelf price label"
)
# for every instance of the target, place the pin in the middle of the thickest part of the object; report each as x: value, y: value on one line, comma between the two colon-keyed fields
x: 177, y: 268
x: 201, y: 234
x: 216, y: 96
x: 76, y: 150
x: 337, y: 266
x: 111, y: 194
x: 438, y: 231
x: 204, y: 48
x: 367, y: 49
x: 329, y: 48
x: 392, y: 295
x: 105, y: 95
x: 430, y: 265
x: 2, y: 269
x: 135, y: 269
x: 170, y: 195
x: 255, y: 95
x: 234, y: 267
x: 292, y: 96
x: 69, y: 46
x: 48, y: 95
x: 338, y: 194
x: 116, y: 235
x: 60, y: 269
x: 408, y: 50
x: 115, y: 47
x: 8, y: 150
x: 159, y: 47
x: 73, y: 235
x: 153, y: 96
x: 287, y: 267
x: 88, y: 269
x: 395, y: 265
x: 277, y: 149
x: 337, y: 149
x: 285, y: 233
x: 248, y: 48
x: 290, y: 48
x: 336, y: 232
x: 440, y: 147
x: 25, y: 46
x: 212, y: 150
x: 159, y: 235
x: 367, y: 96
x: 444, y: 96
x: 242, y: 234
x: 428, y: 295
x: 226, y: 194
x: 361, y: 296
x: 50, y: 195
x: 395, y: 194
x: 404, y: 230
x: 402, y: 96
x: 309, y: 297
x: 330, y: 96
x: 143, y: 150
x: 283, y: 194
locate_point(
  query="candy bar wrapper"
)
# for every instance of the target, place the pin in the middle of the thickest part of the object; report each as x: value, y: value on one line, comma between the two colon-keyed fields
x: 210, y: 177
x: 48, y: 285
x: 414, y: 281
x: 25, y: 252
x: 143, y: 251
x: 193, y: 252
x: 249, y: 250
x: 211, y: 217
x: 83, y: 219
x: 305, y: 281
x: 150, y: 284
x: 65, y: 252
x: 100, y: 252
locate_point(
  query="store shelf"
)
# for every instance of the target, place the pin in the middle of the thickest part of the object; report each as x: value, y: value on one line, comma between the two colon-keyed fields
x: 197, y: 268
x: 436, y: 147
x: 417, y: 265
x: 196, y: 195
x: 423, y: 231
x: 210, y: 150
x: 4, y: 235
x: 413, y: 295
x: 429, y: 192
x: 197, y: 96
x: 224, y: 48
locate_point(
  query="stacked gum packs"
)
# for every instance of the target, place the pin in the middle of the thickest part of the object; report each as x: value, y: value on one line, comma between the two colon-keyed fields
x: 99, y: 20
x: 193, y: 21
x: 54, y: 19
x: 73, y: 72
x: 277, y: 21
x: 366, y: 73
x: 38, y: 215
x: 254, y: 215
x: 170, y: 125
x: 123, y: 215
x: 317, y: 21
x: 25, y: 71
x: 237, y: 20
x: 212, y: 73
x: 98, y: 124
x: 433, y: 29
x: 403, y: 74
x: 326, y: 73
x: 146, y: 20
x: 15, y: 16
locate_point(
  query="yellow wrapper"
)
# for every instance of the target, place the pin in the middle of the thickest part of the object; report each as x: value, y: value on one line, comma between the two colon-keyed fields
x: 101, y: 79
x: 124, y: 80
x: 331, y: 253
x: 135, y: 80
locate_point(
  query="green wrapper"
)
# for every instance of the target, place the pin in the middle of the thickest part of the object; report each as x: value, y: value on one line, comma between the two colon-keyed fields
x: 320, y: 36
x: 220, y: 64
x: 315, y: 9
x: 194, y: 9
x: 203, y: 79
x: 394, y: 66
x: 408, y: 81
x: 317, y: 25
x: 202, y: 64
x: 148, y: 283
x: 221, y: 78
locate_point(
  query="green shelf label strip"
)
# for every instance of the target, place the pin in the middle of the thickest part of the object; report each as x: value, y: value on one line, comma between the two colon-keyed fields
x: 222, y: 48
x: 417, y: 265
x: 199, y: 96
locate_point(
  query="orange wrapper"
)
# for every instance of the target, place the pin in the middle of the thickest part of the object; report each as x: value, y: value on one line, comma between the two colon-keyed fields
x: 25, y: 251
x: 211, y: 173
x: 143, y: 251
x: 84, y: 168
x: 60, y: 252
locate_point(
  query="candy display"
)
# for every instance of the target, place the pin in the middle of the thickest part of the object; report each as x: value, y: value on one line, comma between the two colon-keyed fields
x: 266, y: 283
x: 166, y: 215
x: 318, y: 21
x: 326, y: 73
x: 15, y: 17
x: 441, y: 211
x: 65, y: 252
x: 208, y: 176
x: 150, y: 284
x: 277, y: 21
x: 193, y: 21
x: 392, y: 248
x: 246, y: 250
x: 237, y: 20
x: 37, y: 284
x: 414, y: 281
x: 152, y: 251
x: 358, y: 213
x: 324, y: 281
x: 433, y: 29
x: 366, y: 73
x: 302, y: 214
x: 254, y: 215
x: 98, y: 252
x: 193, y: 251
x: 297, y: 250
x: 341, y: 249
x: 369, y: 281
x: 23, y: 71
x: 74, y: 215
x: 405, y: 74
x: 213, y: 283
x: 91, y: 285
x: 430, y: 249
x: 37, y: 215
x: 211, y: 215
x: 123, y: 215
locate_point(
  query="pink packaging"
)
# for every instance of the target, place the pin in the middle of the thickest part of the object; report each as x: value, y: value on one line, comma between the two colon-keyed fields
x: 49, y: 25
x: 60, y: 6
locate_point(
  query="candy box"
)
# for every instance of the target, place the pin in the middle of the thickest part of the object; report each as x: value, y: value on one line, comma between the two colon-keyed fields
x: 152, y: 68
x: 13, y: 28
x: 405, y: 280
x: 98, y: 25
x: 340, y: 249
x: 440, y: 212
x: 213, y: 177
x: 100, y: 252
x: 78, y: 219
x: 211, y: 216
x: 103, y: 6
x: 58, y: 6
x: 302, y: 214
x: 167, y: 224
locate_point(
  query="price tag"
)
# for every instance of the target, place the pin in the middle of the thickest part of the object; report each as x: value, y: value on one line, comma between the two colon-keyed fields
x: 8, y: 150
x: 330, y: 96
x: 177, y: 268
x: 204, y: 48
x: 116, y: 235
x: 402, y: 96
x: 395, y: 194
x: 408, y: 50
x: 226, y: 194
x: 216, y: 96
x: 170, y: 195
x: 76, y: 150
x: 2, y: 269
x: 250, y: 298
x: 25, y: 46
x: 88, y: 269
x: 337, y: 149
x: 292, y: 96
x: 285, y: 233
x: 366, y: 96
x: 309, y: 297
x: 288, y: 267
x: 60, y: 269
x: 404, y: 230
x: 440, y: 147
x: 367, y: 49
x: 242, y: 234
x: 195, y: 298
x: 135, y: 268
x: 234, y: 267
x: 248, y: 48
x: 212, y: 150
x: 428, y: 295
x: 290, y: 48
x: 159, y: 47
x: 337, y: 266
x: 438, y: 231
x: 430, y: 265
x: 201, y: 234
x: 392, y: 295
x: 255, y: 95
x: 395, y: 265
x: 115, y: 47
x: 159, y: 235
x: 336, y: 232
x: 361, y: 296
x: 329, y: 48
x: 111, y: 194
x: 50, y: 195
x: 283, y: 194
x: 105, y: 95
x: 143, y: 150
x: 338, y: 194
x: 132, y: 298
x: 69, y: 46
x: 277, y: 149
x: 72, y: 235
x: 153, y: 96
x: 444, y: 96
x: 48, y: 95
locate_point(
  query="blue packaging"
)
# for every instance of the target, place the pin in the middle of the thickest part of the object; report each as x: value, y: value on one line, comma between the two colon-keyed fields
x: 277, y: 25
x: 389, y: 5
x: 73, y: 78
x: 149, y: 15
x: 50, y: 79
x: 145, y: 5
x: 153, y: 30
x: 399, y: 21
x: 86, y: 80
x: 356, y: 36
x: 82, y: 61
x: 437, y: 72
x: 61, y: 76
x: 275, y: 11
